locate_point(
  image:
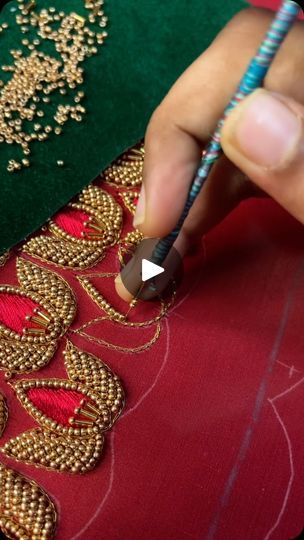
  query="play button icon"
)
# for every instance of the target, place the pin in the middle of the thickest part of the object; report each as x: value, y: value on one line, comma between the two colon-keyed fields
x: 146, y: 280
x: 149, y: 270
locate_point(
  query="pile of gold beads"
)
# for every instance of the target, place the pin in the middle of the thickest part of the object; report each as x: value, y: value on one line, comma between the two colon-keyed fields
x: 37, y: 77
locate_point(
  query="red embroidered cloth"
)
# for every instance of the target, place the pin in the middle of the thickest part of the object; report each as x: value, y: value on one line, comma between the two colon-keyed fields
x: 211, y: 442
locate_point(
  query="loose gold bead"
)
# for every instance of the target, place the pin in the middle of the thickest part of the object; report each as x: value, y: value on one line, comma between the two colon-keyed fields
x: 84, y: 40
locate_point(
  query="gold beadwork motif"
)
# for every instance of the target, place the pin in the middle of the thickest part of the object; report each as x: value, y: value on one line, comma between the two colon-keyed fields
x: 38, y: 77
x: 100, y: 231
x: 117, y: 317
x: 29, y: 351
x: 75, y: 444
x: 128, y: 244
x: 56, y: 452
x: 4, y: 258
x: 102, y: 421
x: 72, y: 415
x: 111, y: 312
x: 88, y: 369
x: 104, y: 223
x: 3, y: 414
x: 62, y: 253
x: 26, y: 512
x: 47, y: 284
x: 127, y: 170
x: 130, y: 200
x: 99, y: 299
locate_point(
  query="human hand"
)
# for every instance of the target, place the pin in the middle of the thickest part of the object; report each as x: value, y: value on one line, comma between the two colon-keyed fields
x: 262, y: 138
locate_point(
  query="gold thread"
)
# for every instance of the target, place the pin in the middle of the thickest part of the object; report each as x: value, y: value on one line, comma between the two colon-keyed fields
x: 3, y: 414
x: 112, y: 314
x: 119, y: 348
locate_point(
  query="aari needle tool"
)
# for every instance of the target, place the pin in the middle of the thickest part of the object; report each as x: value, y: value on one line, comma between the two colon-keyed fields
x: 253, y: 79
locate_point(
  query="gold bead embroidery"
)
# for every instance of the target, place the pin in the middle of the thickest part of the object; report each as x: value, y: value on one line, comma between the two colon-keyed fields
x: 103, y: 418
x: 4, y: 258
x: 88, y: 369
x: 36, y: 346
x: 16, y: 357
x: 129, y: 198
x: 128, y: 245
x: 111, y: 312
x: 127, y: 170
x: 105, y: 219
x: 100, y: 300
x: 56, y: 452
x: 102, y: 230
x: 62, y: 253
x: 3, y: 414
x: 26, y: 512
x: 37, y: 280
x: 74, y: 447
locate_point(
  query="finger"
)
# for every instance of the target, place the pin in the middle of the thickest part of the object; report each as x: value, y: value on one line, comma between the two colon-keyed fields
x: 122, y: 291
x: 189, y: 113
x: 224, y: 189
x: 264, y: 137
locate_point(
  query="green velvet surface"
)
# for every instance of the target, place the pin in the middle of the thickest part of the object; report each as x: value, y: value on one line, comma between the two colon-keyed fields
x: 150, y: 43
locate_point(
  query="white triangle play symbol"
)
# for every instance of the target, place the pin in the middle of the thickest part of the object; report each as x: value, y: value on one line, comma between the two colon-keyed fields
x: 150, y: 270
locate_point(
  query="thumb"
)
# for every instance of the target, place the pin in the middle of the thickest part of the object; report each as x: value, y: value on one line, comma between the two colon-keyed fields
x: 263, y: 136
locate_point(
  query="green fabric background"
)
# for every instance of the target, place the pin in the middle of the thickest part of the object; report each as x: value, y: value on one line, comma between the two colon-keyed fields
x: 150, y: 43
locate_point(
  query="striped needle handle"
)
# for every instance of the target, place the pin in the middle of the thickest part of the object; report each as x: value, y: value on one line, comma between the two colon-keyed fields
x: 253, y: 78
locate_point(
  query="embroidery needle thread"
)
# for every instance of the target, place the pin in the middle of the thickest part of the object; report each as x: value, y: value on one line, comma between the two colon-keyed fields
x: 253, y: 78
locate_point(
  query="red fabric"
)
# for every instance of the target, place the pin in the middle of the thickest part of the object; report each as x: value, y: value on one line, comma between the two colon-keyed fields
x: 14, y: 309
x: 57, y: 404
x: 271, y: 4
x: 211, y: 442
x: 72, y: 221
